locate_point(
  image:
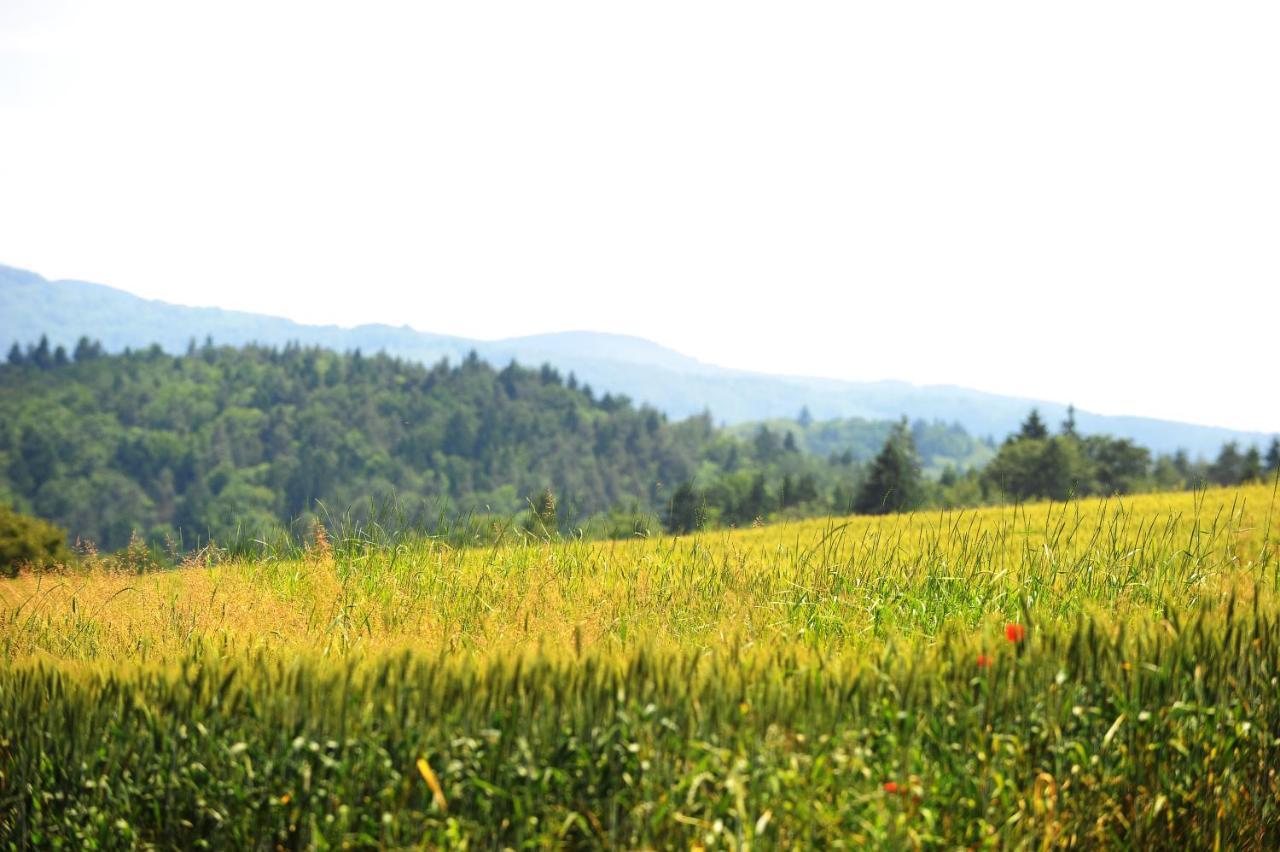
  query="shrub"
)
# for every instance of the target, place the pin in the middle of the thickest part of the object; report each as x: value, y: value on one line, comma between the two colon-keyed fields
x: 28, y: 541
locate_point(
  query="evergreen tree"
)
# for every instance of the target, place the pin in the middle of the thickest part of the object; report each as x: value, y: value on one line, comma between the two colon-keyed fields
x: 1273, y: 456
x: 86, y: 350
x: 894, y: 483
x: 687, y: 512
x: 755, y: 506
x: 842, y: 499
x: 1251, y: 465
x: 41, y: 356
x: 767, y: 444
x: 787, y: 498
x: 1033, y: 428
x: 1226, y: 468
x: 16, y: 358
x: 1027, y: 469
x: 805, y: 418
x: 1069, y: 425
x: 1055, y: 471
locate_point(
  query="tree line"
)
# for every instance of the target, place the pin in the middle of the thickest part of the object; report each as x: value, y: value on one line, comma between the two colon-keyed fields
x: 224, y: 442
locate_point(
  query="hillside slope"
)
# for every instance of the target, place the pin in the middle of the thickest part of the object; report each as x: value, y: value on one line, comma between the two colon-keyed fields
x: 674, y: 383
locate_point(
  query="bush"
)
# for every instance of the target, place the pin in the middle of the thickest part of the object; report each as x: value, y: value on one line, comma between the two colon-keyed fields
x: 28, y: 541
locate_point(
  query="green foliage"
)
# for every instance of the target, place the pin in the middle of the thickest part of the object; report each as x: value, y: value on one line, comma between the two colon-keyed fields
x: 894, y: 482
x: 542, y: 519
x: 29, y: 542
x: 1033, y: 428
x: 1071, y: 465
x: 856, y: 440
x: 233, y: 444
x: 1094, y: 675
x: 1028, y: 468
x: 687, y: 512
x: 1136, y: 740
x: 226, y: 443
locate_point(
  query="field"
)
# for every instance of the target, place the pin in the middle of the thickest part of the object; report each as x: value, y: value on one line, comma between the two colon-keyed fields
x: 1097, y: 673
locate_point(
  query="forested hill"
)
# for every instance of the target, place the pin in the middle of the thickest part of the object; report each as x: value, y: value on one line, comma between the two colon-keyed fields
x: 676, y: 384
x: 225, y: 438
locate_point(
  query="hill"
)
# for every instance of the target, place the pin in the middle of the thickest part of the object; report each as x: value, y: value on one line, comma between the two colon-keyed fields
x: 226, y: 439
x: 228, y: 442
x: 673, y: 383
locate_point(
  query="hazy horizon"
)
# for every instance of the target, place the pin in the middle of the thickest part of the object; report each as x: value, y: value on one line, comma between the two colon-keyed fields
x: 648, y: 340
x: 1065, y: 204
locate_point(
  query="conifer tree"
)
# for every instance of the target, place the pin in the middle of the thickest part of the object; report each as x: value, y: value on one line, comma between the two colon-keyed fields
x: 894, y: 482
x: 40, y: 356
x: 1251, y: 465
x: 86, y: 350
x: 1226, y: 468
x: 686, y: 512
x: 1033, y: 428
x: 1273, y: 456
x: 1069, y: 425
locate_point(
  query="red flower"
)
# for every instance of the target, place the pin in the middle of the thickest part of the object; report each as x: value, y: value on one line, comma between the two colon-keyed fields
x: 983, y: 661
x: 1015, y: 632
x: 891, y: 787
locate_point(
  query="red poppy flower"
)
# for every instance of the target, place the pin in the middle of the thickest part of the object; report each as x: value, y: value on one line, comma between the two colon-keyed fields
x: 983, y: 661
x: 891, y: 787
x: 1015, y: 632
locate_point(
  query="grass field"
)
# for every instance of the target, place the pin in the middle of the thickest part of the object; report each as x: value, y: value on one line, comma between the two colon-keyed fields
x: 1091, y: 674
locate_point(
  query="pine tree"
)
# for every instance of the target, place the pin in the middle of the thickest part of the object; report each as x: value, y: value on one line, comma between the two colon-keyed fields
x: 894, y: 482
x: 40, y: 356
x: 806, y: 489
x: 1226, y: 469
x: 1033, y: 428
x: 788, y: 496
x: 1251, y: 465
x: 767, y: 445
x: 756, y: 504
x: 16, y: 358
x: 1273, y: 456
x: 1069, y: 425
x: 86, y: 350
x: 687, y: 512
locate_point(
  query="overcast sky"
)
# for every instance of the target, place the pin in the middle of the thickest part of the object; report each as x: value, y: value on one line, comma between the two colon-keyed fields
x: 1075, y: 201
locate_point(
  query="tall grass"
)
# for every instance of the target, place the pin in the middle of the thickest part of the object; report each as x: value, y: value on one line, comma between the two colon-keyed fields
x: 757, y: 688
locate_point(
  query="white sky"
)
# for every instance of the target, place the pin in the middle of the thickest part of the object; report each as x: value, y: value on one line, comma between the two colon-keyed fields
x: 1078, y: 201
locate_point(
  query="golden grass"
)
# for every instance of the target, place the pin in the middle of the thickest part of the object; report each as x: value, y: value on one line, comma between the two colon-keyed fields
x: 827, y: 583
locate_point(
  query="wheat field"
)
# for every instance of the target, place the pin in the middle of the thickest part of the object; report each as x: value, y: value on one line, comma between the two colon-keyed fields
x: 1095, y: 673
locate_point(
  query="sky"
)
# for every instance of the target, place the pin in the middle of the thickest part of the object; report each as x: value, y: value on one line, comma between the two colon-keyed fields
x: 1070, y: 201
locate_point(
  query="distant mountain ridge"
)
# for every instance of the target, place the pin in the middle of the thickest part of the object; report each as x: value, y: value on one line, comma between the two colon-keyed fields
x: 675, y: 383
